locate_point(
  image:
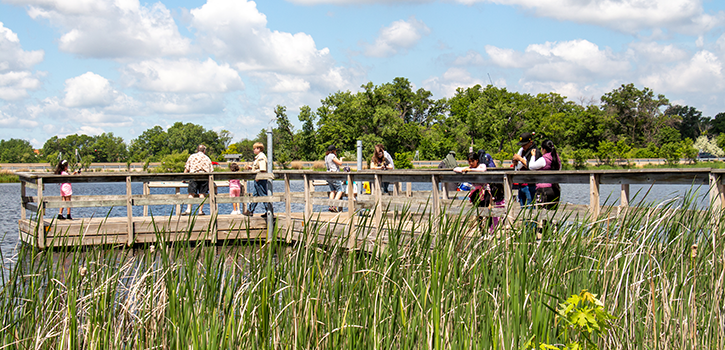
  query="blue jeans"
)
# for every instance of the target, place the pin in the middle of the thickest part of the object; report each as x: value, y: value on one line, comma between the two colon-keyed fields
x: 526, y: 194
x: 260, y: 190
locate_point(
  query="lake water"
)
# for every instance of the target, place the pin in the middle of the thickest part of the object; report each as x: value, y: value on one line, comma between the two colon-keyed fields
x: 571, y: 193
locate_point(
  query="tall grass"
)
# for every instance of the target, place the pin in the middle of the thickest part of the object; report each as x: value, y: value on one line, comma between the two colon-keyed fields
x: 660, y: 273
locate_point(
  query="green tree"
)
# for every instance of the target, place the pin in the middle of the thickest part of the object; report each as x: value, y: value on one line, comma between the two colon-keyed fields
x: 150, y: 145
x: 305, y: 139
x: 172, y: 163
x: 283, y: 138
x: 637, y: 113
x: 689, y: 121
x: 109, y: 148
x: 17, y: 151
x: 718, y: 124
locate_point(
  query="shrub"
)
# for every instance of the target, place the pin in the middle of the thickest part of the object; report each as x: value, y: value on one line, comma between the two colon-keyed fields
x: 403, y: 160
x: 172, y: 163
x: 580, y: 158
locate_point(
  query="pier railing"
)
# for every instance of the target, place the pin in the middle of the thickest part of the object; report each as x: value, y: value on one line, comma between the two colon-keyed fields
x: 434, y: 201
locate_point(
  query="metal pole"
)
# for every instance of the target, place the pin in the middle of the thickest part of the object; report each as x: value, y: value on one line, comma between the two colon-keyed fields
x: 359, y: 164
x: 270, y: 163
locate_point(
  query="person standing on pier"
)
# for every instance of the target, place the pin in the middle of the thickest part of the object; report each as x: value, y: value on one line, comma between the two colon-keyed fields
x: 547, y: 194
x: 332, y: 163
x: 520, y: 162
x: 260, y: 186
x: 198, y: 162
x: 66, y: 190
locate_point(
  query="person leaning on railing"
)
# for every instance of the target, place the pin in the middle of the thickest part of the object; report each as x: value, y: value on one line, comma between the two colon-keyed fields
x: 197, y: 163
x: 260, y: 182
x: 547, y: 194
x: 382, y: 161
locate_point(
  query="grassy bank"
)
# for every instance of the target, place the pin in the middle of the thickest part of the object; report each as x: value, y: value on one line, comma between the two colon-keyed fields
x: 7, y: 176
x: 659, y: 275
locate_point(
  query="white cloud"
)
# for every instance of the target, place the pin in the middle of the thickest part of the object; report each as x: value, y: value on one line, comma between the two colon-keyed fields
x: 567, y: 61
x: 658, y: 53
x: 356, y: 2
x: 472, y: 58
x: 12, y: 122
x: 179, y: 104
x: 400, y: 36
x: 15, y: 65
x: 88, y: 90
x: 237, y: 32
x: 90, y: 130
x: 182, y: 76
x: 452, y: 79
x: 111, y: 29
x: 686, y: 16
x: 702, y: 73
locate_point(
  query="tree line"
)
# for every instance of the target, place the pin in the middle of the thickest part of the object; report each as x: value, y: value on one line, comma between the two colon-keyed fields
x: 627, y: 123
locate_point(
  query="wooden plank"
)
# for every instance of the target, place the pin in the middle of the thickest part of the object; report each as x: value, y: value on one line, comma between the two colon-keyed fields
x: 85, y: 204
x: 594, y: 196
x: 129, y: 211
x: 28, y: 183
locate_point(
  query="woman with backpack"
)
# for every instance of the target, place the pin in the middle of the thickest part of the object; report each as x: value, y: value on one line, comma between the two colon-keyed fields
x: 547, y: 194
x: 482, y: 195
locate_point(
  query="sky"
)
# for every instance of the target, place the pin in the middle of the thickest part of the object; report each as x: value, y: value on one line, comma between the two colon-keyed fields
x: 124, y: 66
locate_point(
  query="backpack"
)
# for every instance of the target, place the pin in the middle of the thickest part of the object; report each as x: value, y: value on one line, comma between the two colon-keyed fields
x: 485, y: 158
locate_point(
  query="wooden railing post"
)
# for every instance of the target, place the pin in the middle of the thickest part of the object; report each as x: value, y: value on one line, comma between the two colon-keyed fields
x: 594, y: 196
x: 288, y: 208
x: 178, y: 206
x: 129, y: 212
x: 40, y: 234
x: 213, y: 209
x: 409, y: 189
x: 436, y: 197
x: 352, y: 232
x: 146, y: 191
x: 623, y: 199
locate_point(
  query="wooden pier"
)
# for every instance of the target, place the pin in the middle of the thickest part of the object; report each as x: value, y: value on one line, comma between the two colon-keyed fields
x: 378, y: 208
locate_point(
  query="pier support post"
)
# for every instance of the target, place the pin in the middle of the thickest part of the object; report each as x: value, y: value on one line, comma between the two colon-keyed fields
x: 717, y: 193
x: 129, y: 212
x: 409, y: 189
x: 594, y: 196
x: 352, y: 232
x: 213, y: 210
x: 308, y: 199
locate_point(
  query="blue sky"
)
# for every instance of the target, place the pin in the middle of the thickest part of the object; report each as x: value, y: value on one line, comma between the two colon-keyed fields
x: 123, y: 66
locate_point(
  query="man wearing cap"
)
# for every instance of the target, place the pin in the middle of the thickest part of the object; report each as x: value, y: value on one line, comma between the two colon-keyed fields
x: 197, y: 163
x: 333, y: 164
x: 528, y: 149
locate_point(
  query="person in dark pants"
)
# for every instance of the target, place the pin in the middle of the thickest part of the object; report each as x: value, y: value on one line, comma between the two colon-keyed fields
x: 260, y: 186
x: 520, y: 162
x: 198, y: 162
x: 382, y: 161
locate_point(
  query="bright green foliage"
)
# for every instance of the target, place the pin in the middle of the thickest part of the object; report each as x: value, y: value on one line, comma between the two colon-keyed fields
x: 606, y: 152
x: 285, y: 149
x: 688, y: 120
x: 671, y: 152
x: 580, y: 157
x: 638, y: 115
x: 403, y: 160
x: 155, y: 143
x: 172, y: 163
x: 582, y: 318
x: 688, y: 151
x: 16, y: 151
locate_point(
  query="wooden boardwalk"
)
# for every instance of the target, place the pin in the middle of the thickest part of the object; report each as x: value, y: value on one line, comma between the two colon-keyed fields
x: 379, y: 210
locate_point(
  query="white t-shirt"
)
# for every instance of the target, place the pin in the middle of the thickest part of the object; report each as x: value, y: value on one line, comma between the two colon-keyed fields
x: 330, y: 164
